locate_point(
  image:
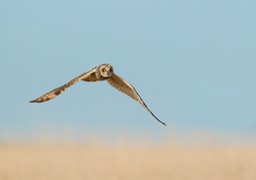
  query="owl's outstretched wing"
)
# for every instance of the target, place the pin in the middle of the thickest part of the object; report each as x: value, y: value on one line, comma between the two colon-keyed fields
x: 125, y: 87
x: 57, y: 91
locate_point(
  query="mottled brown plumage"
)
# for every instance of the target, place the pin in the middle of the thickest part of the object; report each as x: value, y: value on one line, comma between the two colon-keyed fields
x: 100, y: 73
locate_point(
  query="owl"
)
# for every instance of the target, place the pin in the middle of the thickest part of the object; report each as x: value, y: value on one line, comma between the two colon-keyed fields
x: 99, y: 73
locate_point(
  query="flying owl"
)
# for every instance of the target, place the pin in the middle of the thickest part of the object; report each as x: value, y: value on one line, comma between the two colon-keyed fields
x: 99, y: 73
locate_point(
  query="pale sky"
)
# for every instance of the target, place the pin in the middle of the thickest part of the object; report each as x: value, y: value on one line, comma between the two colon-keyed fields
x: 193, y: 63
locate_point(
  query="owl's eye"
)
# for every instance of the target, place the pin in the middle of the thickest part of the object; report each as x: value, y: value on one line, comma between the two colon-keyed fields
x: 103, y: 70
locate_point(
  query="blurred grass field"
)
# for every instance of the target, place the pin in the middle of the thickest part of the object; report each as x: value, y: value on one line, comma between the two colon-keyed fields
x: 126, y: 161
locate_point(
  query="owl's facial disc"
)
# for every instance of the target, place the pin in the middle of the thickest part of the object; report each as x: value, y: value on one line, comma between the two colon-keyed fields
x: 107, y: 71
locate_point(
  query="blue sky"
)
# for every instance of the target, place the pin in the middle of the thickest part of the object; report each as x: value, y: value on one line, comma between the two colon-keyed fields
x: 193, y: 63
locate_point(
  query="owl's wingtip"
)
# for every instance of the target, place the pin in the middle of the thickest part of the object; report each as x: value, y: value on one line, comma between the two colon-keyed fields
x: 38, y: 100
x: 33, y: 101
x: 163, y: 123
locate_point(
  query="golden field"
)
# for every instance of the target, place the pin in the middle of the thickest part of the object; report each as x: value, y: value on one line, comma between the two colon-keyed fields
x: 126, y: 161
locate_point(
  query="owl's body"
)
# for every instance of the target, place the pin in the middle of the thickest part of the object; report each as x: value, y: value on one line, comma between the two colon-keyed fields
x: 99, y: 73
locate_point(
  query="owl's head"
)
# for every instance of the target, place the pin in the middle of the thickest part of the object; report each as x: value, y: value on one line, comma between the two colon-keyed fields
x: 106, y: 70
